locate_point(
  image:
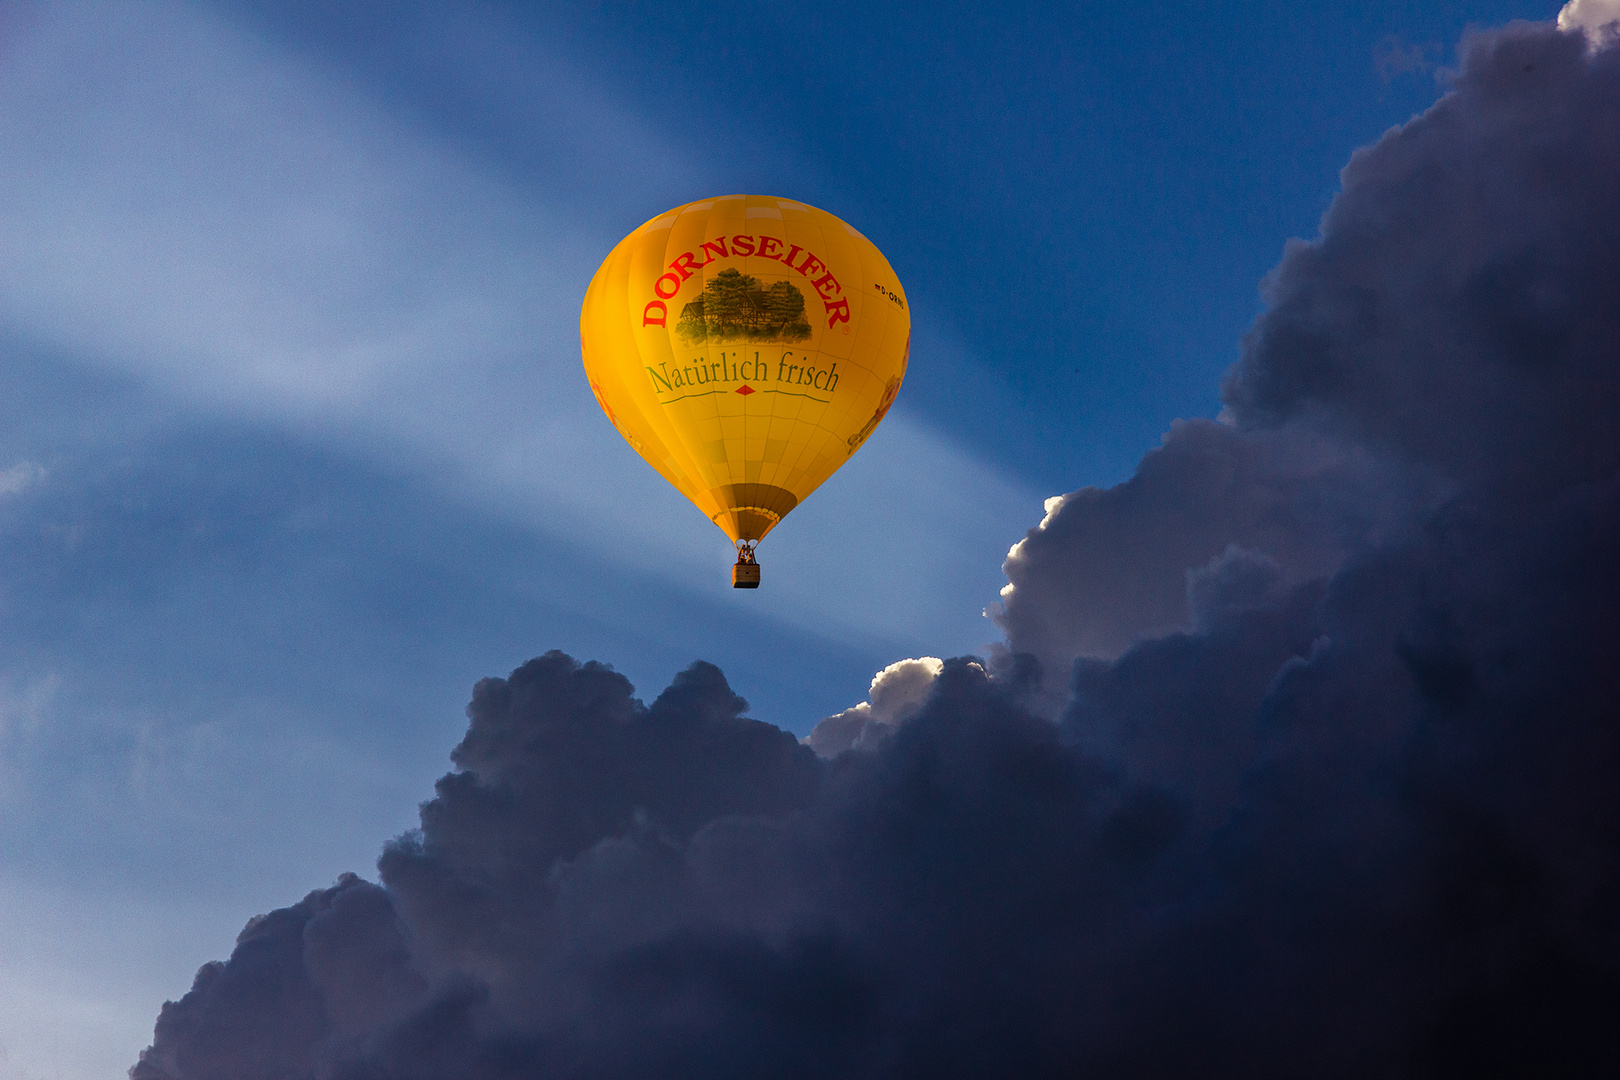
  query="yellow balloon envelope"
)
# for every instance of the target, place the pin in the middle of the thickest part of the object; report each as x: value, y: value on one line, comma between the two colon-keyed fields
x: 745, y: 346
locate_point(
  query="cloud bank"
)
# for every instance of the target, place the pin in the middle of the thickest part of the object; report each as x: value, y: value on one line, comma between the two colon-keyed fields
x: 1300, y: 758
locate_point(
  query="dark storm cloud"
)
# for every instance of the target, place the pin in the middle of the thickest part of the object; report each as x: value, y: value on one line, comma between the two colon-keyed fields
x: 1357, y: 817
x: 1453, y: 331
x: 1109, y: 567
x: 1459, y: 310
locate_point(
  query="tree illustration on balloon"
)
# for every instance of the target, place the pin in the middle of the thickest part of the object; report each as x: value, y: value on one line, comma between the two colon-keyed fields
x: 733, y: 307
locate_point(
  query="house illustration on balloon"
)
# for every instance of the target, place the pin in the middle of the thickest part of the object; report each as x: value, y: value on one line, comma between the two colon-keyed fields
x: 734, y: 307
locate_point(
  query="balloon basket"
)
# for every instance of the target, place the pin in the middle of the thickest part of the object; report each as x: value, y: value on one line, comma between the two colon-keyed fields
x: 745, y: 575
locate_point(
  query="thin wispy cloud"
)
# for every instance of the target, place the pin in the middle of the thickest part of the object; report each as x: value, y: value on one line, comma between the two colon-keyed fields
x: 249, y: 231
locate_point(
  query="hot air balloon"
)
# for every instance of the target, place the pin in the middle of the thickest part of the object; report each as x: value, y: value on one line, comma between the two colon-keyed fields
x: 746, y: 347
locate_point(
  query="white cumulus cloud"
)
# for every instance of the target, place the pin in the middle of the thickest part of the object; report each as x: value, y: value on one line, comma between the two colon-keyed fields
x: 898, y: 693
x: 1596, y: 17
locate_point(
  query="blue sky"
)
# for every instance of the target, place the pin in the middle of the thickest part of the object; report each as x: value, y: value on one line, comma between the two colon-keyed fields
x: 296, y: 446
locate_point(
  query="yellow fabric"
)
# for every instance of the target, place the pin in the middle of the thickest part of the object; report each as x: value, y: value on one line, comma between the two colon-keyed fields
x: 746, y: 346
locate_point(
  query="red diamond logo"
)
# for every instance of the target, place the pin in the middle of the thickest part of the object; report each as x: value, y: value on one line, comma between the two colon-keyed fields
x: 745, y: 389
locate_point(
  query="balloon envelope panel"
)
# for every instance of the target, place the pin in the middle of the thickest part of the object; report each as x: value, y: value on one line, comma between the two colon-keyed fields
x: 746, y: 346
